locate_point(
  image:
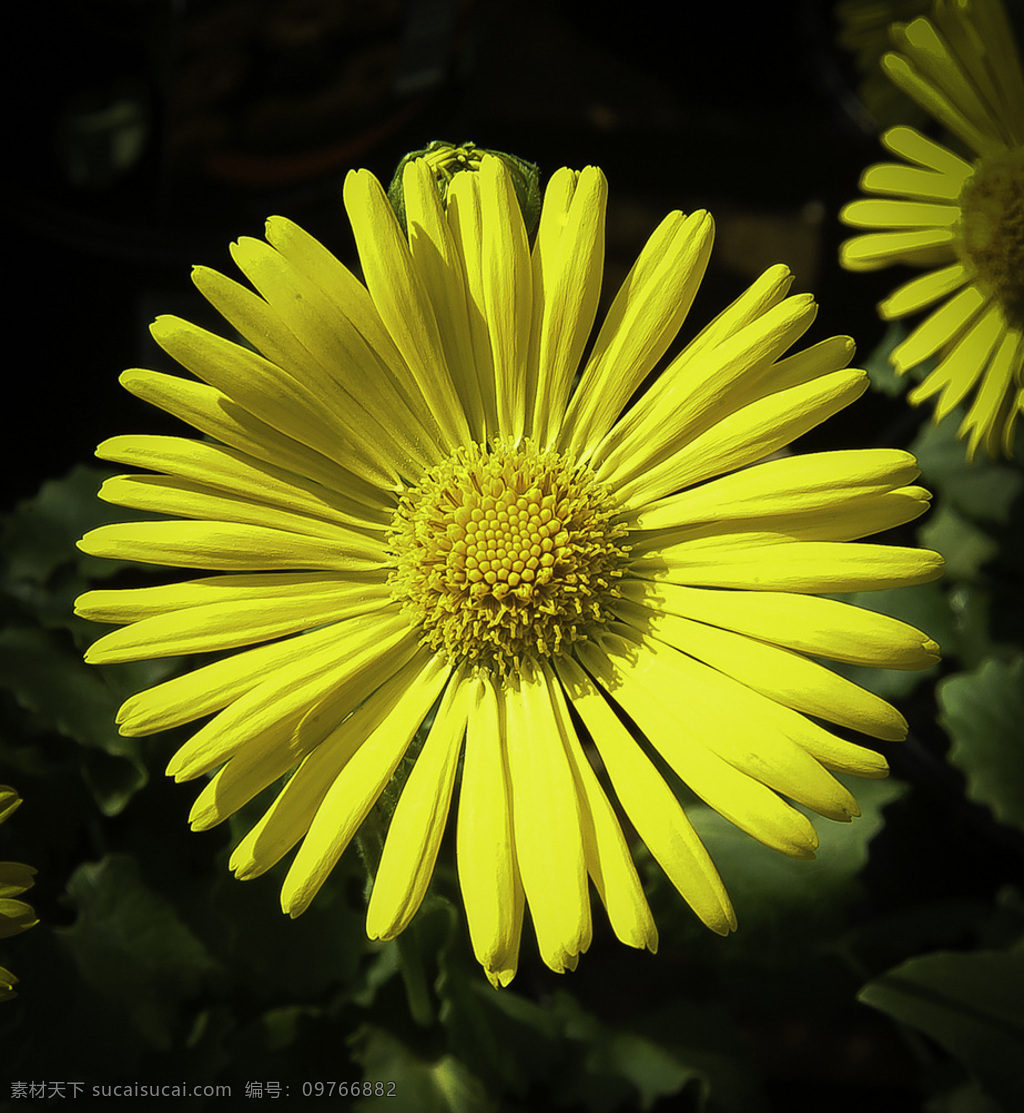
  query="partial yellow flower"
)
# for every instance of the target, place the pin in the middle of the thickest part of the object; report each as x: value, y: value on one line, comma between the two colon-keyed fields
x: 15, y: 879
x: 423, y: 504
x: 963, y: 219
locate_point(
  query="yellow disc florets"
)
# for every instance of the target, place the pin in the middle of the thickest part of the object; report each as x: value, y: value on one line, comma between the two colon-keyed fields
x: 506, y: 554
x: 992, y: 227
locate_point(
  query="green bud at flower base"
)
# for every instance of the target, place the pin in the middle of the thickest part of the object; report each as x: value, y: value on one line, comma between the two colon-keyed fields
x: 447, y: 160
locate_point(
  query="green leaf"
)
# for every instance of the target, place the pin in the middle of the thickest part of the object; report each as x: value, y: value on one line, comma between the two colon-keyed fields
x: 421, y: 1085
x: 130, y: 946
x: 291, y: 960
x: 883, y: 375
x: 976, y: 636
x: 982, y: 712
x: 984, y: 491
x: 510, y: 1042
x: 40, y: 534
x: 964, y: 547
x: 970, y: 1003
x: 48, y: 677
x: 618, y: 1066
x: 562, y: 1055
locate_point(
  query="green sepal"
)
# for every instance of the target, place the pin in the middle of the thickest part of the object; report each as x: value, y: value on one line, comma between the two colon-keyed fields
x: 446, y: 160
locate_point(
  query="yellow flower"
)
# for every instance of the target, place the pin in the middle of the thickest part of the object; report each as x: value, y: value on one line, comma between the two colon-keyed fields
x: 15, y: 915
x: 414, y: 505
x: 961, y: 218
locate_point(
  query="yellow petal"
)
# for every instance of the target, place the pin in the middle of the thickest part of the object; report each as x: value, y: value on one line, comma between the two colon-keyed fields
x: 546, y: 822
x: 885, y: 213
x: 912, y: 181
x: 414, y: 836
x: 963, y: 365
x: 806, y: 623
x: 814, y: 566
x: 222, y: 545
x: 568, y: 261
x: 488, y: 873
x: 440, y: 266
x: 278, y: 704
x: 776, y: 673
x: 508, y: 296
x: 746, y: 436
x: 650, y: 804
x: 337, y: 785
x: 228, y: 470
x: 243, y: 591
x: 402, y: 302
x: 684, y: 744
x: 212, y: 687
x: 608, y: 859
x: 214, y: 413
x: 938, y: 329
x: 911, y: 144
x: 690, y: 397
x: 289, y: 817
x: 303, y: 411
x: 185, y: 498
x: 922, y: 246
x: 815, y: 481
x: 904, y: 74
x: 643, y: 320
x: 922, y: 291
x: 216, y: 626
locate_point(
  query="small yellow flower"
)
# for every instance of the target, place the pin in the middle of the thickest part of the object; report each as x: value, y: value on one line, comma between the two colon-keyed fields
x: 15, y: 879
x: 961, y: 218
x: 423, y: 502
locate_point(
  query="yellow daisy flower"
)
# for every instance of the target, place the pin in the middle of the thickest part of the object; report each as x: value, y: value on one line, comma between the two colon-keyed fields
x: 15, y: 879
x: 412, y: 504
x: 961, y: 218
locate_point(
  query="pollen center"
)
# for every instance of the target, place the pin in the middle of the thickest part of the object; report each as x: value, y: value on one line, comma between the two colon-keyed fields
x: 506, y: 554
x: 992, y: 227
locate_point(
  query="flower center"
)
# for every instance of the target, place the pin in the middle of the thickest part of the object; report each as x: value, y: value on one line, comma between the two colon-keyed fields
x: 992, y: 227
x: 506, y: 554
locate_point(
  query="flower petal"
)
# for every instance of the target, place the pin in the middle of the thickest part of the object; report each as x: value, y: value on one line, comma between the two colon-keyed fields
x: 568, y: 261
x: 414, y: 836
x: 922, y: 291
x: 683, y: 743
x: 508, y: 297
x: 334, y: 789
x: 440, y: 265
x: 746, y: 436
x: 805, y: 623
x: 814, y: 566
x: 212, y: 412
x: 217, y: 626
x: 338, y: 676
x: 546, y: 821
x: 650, y: 804
x: 793, y: 484
x: 488, y: 873
x: 224, y: 545
x: 643, y: 320
x: 403, y: 303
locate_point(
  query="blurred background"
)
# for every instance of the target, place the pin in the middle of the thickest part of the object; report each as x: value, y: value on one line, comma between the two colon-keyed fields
x: 147, y: 135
